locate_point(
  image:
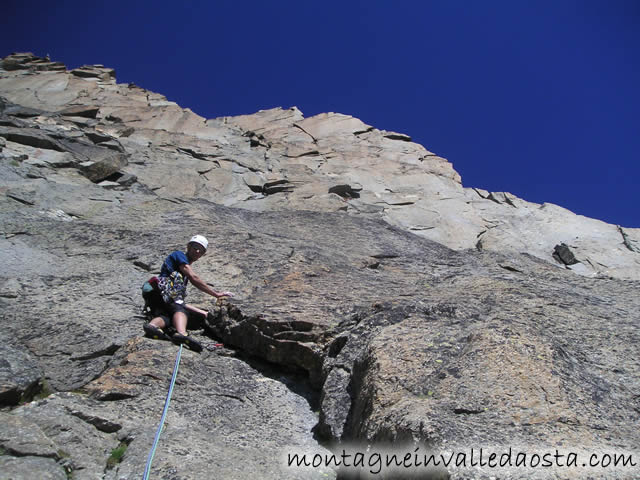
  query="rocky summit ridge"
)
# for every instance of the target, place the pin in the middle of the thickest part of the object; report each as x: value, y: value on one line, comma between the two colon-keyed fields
x: 378, y: 300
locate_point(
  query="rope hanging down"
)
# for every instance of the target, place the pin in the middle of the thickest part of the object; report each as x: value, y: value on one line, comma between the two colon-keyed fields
x: 147, y: 469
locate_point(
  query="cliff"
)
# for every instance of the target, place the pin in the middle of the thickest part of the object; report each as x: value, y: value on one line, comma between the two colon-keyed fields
x: 377, y: 299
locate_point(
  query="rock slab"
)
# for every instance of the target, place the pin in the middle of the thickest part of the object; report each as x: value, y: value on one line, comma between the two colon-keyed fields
x: 377, y: 299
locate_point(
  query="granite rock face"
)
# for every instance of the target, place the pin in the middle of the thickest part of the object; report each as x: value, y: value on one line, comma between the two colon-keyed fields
x: 278, y: 160
x: 377, y: 299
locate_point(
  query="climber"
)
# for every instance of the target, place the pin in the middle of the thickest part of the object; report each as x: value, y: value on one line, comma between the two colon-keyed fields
x: 171, y: 286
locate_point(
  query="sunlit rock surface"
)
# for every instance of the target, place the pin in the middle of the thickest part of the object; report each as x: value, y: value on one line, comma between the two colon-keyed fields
x: 377, y: 299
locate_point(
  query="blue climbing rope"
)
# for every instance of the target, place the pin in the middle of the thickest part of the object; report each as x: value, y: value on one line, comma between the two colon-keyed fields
x: 147, y: 469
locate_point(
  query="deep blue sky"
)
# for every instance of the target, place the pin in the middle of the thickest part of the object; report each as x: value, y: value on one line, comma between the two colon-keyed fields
x: 539, y: 98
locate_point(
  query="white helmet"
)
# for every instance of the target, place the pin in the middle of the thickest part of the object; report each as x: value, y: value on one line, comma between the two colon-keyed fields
x: 200, y: 240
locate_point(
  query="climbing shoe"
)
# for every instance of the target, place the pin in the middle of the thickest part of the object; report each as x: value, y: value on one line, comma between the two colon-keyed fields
x: 187, y: 341
x: 154, y: 332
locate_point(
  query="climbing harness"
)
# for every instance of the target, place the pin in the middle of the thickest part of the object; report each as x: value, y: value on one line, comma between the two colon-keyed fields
x: 147, y: 469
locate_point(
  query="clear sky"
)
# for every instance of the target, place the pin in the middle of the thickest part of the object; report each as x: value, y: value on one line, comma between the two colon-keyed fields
x: 540, y: 98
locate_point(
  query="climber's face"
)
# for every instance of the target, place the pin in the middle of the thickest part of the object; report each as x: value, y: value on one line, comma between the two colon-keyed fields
x: 195, y: 251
